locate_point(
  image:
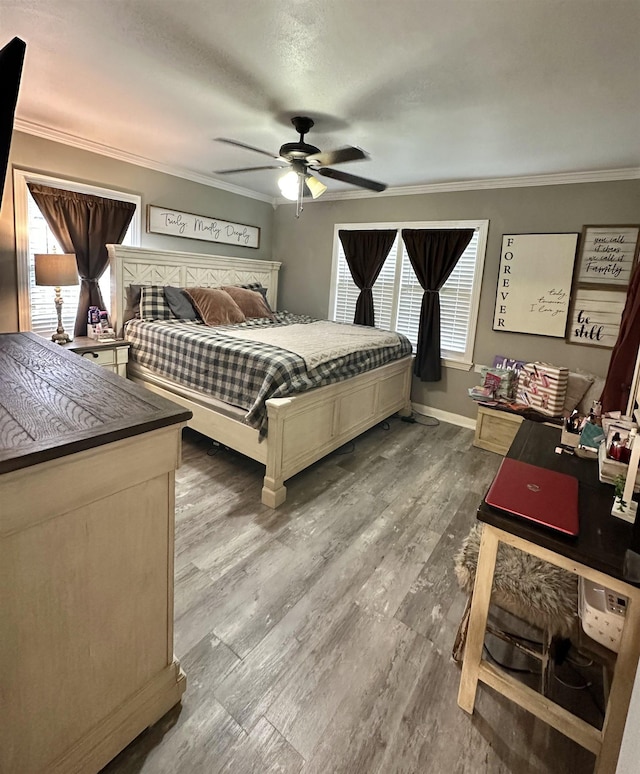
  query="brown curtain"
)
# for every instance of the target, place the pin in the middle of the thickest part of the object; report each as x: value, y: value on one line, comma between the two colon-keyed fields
x: 84, y: 225
x: 623, y: 357
x: 433, y: 255
x: 366, y: 252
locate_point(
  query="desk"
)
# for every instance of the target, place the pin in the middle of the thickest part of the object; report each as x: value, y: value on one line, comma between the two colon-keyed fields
x: 597, y: 554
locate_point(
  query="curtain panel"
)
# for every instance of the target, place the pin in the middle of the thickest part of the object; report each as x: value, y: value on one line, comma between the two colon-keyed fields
x: 434, y: 254
x: 617, y: 386
x: 84, y: 224
x: 365, y: 253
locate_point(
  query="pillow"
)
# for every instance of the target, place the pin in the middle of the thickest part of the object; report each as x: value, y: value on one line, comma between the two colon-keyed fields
x: 215, y: 306
x: 593, y: 393
x: 260, y: 289
x: 132, y: 302
x: 153, y: 305
x: 577, y: 385
x: 250, y: 301
x: 180, y: 303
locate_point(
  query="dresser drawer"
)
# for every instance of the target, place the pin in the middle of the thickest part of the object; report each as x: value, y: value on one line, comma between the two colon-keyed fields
x: 112, y: 355
x: 103, y: 357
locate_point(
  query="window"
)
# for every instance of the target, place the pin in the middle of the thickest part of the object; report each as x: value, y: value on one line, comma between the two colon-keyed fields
x: 397, y: 294
x: 33, y: 235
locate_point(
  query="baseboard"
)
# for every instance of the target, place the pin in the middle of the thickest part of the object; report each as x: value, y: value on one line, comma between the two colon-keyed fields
x: 445, y: 416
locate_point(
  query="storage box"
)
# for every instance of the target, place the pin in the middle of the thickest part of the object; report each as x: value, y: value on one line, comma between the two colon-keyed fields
x: 543, y: 387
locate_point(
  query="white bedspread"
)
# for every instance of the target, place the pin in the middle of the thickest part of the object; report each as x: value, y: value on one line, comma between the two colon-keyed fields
x: 320, y: 341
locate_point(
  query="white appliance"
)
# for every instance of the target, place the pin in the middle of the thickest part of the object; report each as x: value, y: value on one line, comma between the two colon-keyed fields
x: 602, y: 613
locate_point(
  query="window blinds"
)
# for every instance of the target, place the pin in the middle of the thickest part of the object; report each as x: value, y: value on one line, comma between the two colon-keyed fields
x: 397, y: 298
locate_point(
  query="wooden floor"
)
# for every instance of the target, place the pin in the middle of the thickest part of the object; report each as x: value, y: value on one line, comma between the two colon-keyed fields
x: 316, y: 638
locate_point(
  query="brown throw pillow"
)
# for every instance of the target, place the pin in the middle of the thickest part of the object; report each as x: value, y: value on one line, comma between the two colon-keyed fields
x: 215, y: 306
x: 250, y: 301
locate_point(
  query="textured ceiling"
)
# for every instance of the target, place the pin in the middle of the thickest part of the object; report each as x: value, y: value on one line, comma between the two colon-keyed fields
x: 435, y: 91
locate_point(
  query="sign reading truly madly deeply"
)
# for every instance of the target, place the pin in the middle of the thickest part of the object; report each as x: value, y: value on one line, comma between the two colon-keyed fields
x: 161, y: 220
x: 534, y: 283
x: 607, y: 255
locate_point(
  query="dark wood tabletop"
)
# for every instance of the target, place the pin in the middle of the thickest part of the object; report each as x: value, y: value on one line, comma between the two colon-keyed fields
x: 82, y: 344
x: 54, y: 403
x: 603, y: 539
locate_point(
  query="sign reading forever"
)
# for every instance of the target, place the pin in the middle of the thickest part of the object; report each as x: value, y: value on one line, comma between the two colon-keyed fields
x: 534, y: 283
x: 161, y: 220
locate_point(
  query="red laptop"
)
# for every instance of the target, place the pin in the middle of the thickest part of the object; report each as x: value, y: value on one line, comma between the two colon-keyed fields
x: 544, y: 496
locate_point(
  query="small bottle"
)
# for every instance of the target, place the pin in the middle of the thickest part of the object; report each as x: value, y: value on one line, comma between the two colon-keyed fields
x: 614, y: 448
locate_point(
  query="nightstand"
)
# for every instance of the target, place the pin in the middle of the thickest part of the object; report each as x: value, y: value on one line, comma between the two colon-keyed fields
x: 113, y: 355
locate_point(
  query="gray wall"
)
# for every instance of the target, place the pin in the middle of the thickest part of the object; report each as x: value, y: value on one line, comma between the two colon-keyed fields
x: 305, y: 245
x: 305, y: 248
x: 38, y: 155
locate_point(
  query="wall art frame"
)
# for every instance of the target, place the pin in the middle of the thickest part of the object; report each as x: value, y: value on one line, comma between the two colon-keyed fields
x: 607, y: 256
x: 534, y: 283
x: 595, y: 316
x: 163, y: 220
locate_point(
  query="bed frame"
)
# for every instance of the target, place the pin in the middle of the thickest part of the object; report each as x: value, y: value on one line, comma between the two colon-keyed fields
x: 302, y: 428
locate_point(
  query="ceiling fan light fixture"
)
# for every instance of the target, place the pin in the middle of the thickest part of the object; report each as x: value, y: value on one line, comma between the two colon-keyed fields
x: 316, y: 188
x: 289, y: 185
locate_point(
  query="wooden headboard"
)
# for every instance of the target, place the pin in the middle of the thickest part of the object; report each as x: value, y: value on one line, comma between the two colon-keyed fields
x: 140, y: 266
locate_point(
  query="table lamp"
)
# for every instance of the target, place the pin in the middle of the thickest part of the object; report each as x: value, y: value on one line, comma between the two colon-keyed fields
x: 57, y: 270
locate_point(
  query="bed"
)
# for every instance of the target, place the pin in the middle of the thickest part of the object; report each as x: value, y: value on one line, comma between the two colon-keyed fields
x: 301, y: 428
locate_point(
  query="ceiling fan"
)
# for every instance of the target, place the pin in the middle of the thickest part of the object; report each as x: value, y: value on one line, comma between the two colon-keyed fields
x: 305, y: 162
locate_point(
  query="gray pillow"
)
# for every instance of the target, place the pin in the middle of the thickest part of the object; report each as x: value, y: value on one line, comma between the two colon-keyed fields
x: 132, y: 302
x: 179, y: 303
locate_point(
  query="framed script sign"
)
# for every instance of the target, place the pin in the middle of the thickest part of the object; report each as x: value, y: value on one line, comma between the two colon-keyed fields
x: 161, y: 220
x: 595, y: 317
x: 534, y: 283
x: 607, y: 255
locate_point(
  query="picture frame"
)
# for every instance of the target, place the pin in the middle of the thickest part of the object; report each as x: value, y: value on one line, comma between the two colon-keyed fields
x: 622, y: 440
x: 607, y: 255
x: 595, y: 316
x: 163, y: 220
x: 534, y: 283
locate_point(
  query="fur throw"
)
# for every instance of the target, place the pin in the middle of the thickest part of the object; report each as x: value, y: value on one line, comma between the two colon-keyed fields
x: 538, y: 592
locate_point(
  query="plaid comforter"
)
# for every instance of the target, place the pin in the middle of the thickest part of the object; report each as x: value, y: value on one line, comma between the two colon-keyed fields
x: 244, y: 374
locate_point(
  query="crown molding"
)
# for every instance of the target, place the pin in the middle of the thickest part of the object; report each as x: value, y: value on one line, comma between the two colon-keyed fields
x: 560, y: 178
x: 28, y: 127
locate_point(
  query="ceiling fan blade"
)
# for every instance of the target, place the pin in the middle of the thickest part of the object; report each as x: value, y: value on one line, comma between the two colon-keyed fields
x: 338, y: 156
x: 244, y: 169
x: 345, y: 177
x: 246, y: 147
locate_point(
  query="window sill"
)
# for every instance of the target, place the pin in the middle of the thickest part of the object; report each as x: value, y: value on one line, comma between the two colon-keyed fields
x: 457, y: 365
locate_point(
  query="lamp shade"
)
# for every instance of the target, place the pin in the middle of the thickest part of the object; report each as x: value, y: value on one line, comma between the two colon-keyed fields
x: 316, y: 188
x: 56, y: 269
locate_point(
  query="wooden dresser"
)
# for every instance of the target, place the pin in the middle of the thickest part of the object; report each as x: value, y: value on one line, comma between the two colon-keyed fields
x: 87, y: 463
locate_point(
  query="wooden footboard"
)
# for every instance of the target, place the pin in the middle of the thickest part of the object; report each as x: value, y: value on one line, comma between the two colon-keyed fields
x: 305, y: 427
